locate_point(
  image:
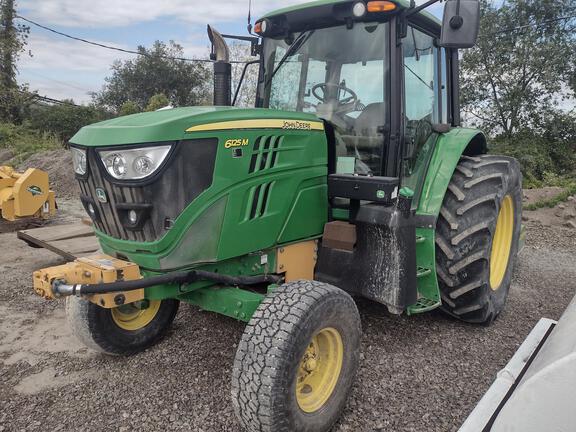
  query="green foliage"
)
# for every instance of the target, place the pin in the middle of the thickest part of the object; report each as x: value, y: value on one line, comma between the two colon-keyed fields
x: 510, y: 77
x: 23, y: 141
x: 129, y: 107
x: 514, y: 81
x: 547, y: 153
x: 156, y: 102
x: 240, y: 52
x: 152, y: 73
x: 63, y: 121
x: 553, y: 202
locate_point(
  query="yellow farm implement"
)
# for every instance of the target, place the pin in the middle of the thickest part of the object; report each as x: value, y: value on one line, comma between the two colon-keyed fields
x: 25, y: 195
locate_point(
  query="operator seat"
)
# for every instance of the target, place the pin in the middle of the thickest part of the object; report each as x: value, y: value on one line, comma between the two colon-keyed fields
x: 369, y: 120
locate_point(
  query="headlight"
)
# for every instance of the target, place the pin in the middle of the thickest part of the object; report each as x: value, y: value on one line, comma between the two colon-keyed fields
x: 79, y: 160
x: 134, y: 164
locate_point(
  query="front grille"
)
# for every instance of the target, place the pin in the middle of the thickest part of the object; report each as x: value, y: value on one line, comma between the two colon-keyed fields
x: 160, y: 200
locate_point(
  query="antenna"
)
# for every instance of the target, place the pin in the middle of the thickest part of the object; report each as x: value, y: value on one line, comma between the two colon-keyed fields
x: 249, y: 16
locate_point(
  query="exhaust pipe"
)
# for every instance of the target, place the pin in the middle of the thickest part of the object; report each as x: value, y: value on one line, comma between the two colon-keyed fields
x: 222, y: 68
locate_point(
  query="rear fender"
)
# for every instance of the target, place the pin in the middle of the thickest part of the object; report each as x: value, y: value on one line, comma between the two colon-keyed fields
x: 447, y: 153
x: 449, y: 149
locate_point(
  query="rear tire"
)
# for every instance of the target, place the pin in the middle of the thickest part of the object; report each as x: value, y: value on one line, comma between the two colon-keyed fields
x: 474, y: 259
x: 297, y: 360
x: 114, y: 333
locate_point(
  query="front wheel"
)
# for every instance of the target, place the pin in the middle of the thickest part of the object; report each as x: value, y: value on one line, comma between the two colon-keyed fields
x: 124, y: 330
x: 297, y: 360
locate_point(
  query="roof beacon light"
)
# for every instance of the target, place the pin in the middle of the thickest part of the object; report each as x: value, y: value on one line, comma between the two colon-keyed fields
x: 381, y: 6
x: 359, y: 9
x: 261, y: 27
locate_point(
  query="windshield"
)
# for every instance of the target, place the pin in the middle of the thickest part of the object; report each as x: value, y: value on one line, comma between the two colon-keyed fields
x: 338, y: 74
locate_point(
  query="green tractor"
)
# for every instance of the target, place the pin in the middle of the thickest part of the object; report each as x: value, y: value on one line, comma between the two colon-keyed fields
x: 350, y: 178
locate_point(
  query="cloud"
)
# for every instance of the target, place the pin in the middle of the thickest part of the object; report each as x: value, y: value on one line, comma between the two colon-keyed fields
x: 63, y: 68
x: 50, y: 52
x: 60, y: 90
x: 100, y: 13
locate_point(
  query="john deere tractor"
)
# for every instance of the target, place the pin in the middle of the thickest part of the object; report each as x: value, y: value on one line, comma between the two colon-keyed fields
x: 351, y: 177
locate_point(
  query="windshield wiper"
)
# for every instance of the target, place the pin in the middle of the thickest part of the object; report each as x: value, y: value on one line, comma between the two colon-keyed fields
x: 420, y: 78
x: 300, y: 40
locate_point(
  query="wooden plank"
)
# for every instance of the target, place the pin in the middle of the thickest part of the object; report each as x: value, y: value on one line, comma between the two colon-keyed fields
x: 60, y: 232
x: 68, y: 241
x: 77, y: 247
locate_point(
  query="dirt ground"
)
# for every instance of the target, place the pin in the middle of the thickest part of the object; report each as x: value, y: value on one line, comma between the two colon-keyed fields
x: 563, y: 214
x: 417, y: 373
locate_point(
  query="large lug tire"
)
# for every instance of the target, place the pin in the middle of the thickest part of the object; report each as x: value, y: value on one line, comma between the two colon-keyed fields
x: 121, y: 331
x: 477, y: 237
x: 297, y: 360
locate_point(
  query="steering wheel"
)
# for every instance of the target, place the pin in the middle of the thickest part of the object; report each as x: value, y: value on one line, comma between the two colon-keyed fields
x: 351, y: 99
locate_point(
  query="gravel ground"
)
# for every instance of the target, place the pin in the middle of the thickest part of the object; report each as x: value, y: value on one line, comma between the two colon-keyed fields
x: 418, y: 373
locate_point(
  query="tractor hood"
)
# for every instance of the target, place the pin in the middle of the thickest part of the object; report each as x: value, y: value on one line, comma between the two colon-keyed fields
x: 177, y: 124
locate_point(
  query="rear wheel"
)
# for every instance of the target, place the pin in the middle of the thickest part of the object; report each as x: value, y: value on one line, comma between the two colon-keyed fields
x: 477, y: 237
x: 297, y: 359
x: 125, y: 330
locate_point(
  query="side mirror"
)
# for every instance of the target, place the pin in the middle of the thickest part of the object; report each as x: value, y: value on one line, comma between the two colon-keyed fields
x: 461, y: 24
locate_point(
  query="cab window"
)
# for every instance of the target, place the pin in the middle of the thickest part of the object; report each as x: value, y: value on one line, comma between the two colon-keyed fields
x: 338, y: 74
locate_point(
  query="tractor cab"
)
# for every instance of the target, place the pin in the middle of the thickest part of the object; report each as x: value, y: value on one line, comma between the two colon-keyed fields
x: 380, y: 75
x: 338, y: 74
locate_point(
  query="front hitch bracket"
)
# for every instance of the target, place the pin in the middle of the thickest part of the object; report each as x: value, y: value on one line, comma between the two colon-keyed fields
x: 65, y: 280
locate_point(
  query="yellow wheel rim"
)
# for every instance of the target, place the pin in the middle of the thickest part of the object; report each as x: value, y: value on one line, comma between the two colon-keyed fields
x: 135, y: 316
x: 319, y: 370
x: 502, y: 243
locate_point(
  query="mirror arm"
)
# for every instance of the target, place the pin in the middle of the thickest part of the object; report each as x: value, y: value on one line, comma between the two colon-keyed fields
x: 414, y: 10
x: 237, y: 92
x: 457, y: 21
x: 254, y: 42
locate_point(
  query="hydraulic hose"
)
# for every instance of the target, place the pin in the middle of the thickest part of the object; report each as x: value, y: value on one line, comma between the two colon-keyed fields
x: 62, y: 289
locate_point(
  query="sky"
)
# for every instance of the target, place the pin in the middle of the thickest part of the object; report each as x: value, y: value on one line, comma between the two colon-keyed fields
x: 62, y: 68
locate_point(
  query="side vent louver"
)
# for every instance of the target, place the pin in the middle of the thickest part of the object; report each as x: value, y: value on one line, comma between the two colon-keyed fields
x: 265, y: 153
x: 258, y: 200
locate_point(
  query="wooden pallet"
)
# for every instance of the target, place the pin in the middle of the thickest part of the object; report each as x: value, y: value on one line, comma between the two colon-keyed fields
x: 69, y: 241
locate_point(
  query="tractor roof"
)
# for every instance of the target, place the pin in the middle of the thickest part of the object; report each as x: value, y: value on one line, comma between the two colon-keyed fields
x: 402, y: 4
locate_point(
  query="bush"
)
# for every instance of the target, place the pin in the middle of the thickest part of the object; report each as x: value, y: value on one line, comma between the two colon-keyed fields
x: 157, y: 101
x: 545, y: 160
x: 23, y: 141
x: 129, y: 107
x: 64, y: 120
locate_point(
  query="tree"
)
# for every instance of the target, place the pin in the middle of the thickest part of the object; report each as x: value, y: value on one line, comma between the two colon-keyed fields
x: 13, y: 39
x: 523, y: 64
x: 154, y: 72
x: 157, y: 101
x: 247, y: 94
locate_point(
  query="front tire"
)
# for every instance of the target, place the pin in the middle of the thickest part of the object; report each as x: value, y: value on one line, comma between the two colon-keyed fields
x: 121, y: 331
x: 477, y: 237
x: 297, y: 360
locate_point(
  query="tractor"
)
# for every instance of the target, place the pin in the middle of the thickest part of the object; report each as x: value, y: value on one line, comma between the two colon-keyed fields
x: 350, y: 178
